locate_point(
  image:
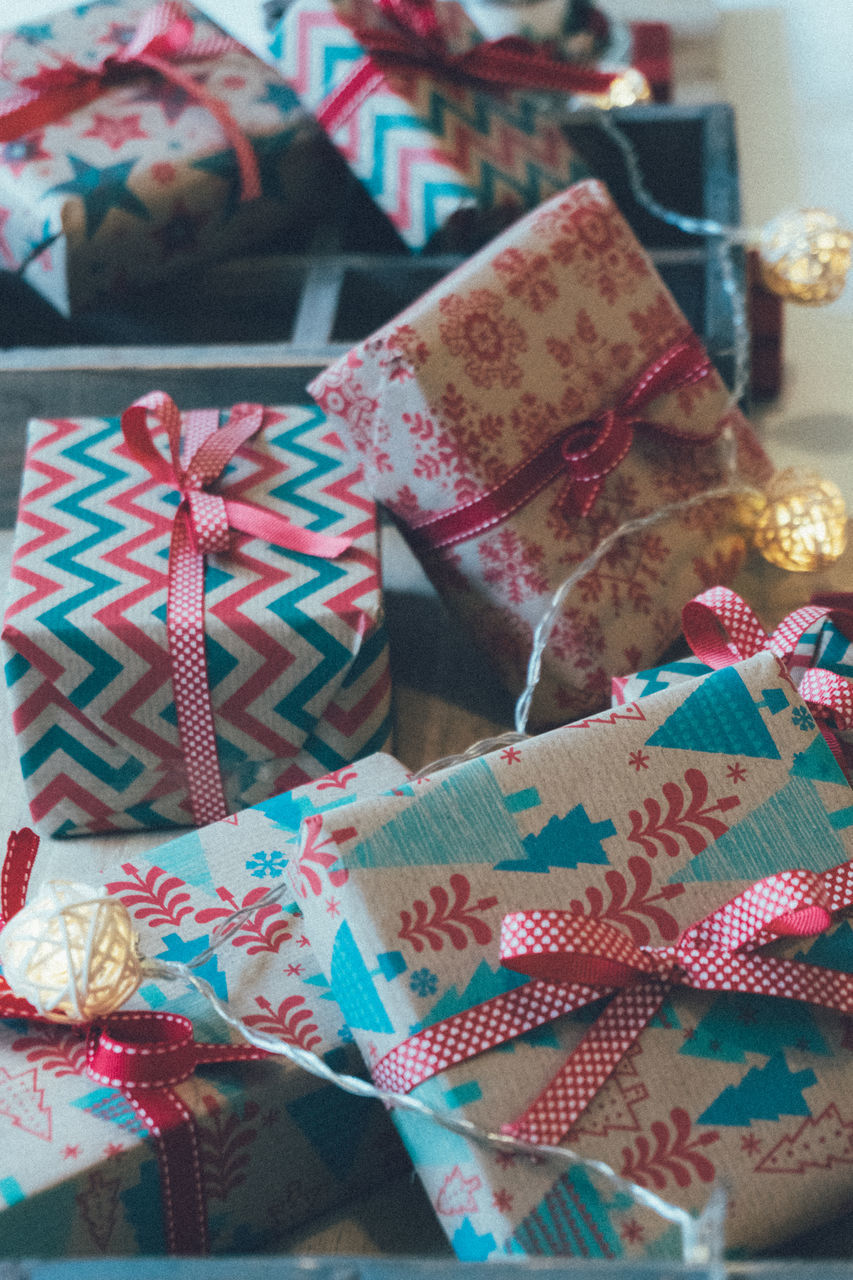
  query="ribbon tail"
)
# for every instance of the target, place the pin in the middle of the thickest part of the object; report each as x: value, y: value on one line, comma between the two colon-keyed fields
x: 365, y: 77
x: 579, y: 496
x: 172, y: 1126
x: 31, y: 109
x: 258, y: 523
x: 21, y: 849
x: 588, y: 1067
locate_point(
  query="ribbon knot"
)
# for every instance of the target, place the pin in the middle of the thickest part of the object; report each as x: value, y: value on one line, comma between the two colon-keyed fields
x: 202, y: 525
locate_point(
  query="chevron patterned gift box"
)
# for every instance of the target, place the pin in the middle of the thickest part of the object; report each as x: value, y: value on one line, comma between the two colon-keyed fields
x: 426, y: 146
x: 79, y: 1175
x: 137, y: 140
x: 297, y: 679
x: 564, y: 941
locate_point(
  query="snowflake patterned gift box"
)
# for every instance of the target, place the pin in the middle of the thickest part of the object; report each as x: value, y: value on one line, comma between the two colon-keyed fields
x: 275, y: 1147
x: 616, y: 835
x: 106, y: 640
x: 448, y: 159
x: 138, y: 140
x: 542, y: 394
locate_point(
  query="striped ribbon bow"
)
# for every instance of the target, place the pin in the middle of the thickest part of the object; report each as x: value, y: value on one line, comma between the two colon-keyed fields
x: 162, y: 41
x: 573, y: 960
x: 202, y: 524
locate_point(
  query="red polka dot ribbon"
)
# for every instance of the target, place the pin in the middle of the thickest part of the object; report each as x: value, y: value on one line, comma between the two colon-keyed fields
x: 163, y: 40
x: 573, y: 959
x: 202, y: 524
x: 583, y: 454
x: 722, y: 629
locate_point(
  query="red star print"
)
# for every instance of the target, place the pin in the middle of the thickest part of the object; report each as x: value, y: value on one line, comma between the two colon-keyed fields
x: 294, y: 970
x: 303, y: 941
x: 505, y: 1158
x: 333, y: 906
x: 502, y: 1199
x: 511, y: 755
x: 164, y: 173
x: 750, y: 1144
x: 632, y: 1231
x: 113, y: 1149
x: 638, y: 760
x: 70, y: 1153
x: 372, y: 1051
x: 115, y: 131
x: 736, y: 772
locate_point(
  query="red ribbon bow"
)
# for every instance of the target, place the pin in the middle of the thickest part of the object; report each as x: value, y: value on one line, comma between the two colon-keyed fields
x: 202, y: 524
x: 143, y: 1055
x: 722, y: 629
x: 163, y: 39
x: 585, y: 452
x: 574, y: 960
x: 413, y: 40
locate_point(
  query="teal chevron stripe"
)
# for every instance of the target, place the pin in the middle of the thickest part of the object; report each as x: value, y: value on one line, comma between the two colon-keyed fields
x: 334, y: 655
x: 83, y: 508
x: 15, y: 668
x: 335, y: 56
x: 324, y: 464
x: 56, y: 739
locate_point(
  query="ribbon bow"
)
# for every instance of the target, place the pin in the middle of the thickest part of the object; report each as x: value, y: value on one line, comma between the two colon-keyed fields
x: 163, y: 39
x: 202, y: 524
x: 584, y: 452
x: 413, y: 40
x: 574, y: 960
x: 143, y: 1055
x: 722, y: 629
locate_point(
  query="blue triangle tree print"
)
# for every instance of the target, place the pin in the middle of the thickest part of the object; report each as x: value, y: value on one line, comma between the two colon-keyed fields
x: 764, y: 1093
x: 736, y: 1025
x: 562, y: 842
x: 720, y: 717
x: 818, y: 762
x: 353, y: 986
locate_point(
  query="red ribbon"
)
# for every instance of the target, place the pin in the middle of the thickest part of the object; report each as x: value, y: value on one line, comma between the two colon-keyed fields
x: 585, y: 453
x: 574, y: 960
x: 143, y: 1055
x: 722, y: 629
x: 202, y: 524
x: 413, y: 41
x: 163, y: 39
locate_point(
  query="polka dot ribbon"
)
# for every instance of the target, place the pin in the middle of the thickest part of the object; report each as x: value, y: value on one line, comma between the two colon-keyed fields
x: 202, y: 524
x: 722, y: 629
x: 583, y: 454
x: 573, y: 959
x: 162, y: 40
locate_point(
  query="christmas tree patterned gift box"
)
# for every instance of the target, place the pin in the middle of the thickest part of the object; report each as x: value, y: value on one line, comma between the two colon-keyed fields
x: 79, y: 1171
x: 417, y: 103
x: 137, y: 140
x: 644, y: 855
x: 541, y: 395
x: 189, y: 633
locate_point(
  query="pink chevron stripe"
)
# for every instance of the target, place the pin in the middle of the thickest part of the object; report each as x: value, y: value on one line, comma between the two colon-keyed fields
x: 47, y: 695
x: 307, y: 25
x: 31, y: 653
x: 348, y: 720
x: 62, y: 788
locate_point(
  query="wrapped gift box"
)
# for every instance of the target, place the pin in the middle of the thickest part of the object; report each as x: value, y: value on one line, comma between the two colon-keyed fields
x: 296, y: 648
x: 78, y: 1174
x: 643, y: 819
x: 464, y: 408
x: 141, y: 182
x: 429, y: 147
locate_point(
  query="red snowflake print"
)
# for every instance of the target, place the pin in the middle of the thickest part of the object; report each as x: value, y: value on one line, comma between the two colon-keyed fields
x: 535, y: 421
x: 513, y: 565
x: 294, y: 970
x: 723, y: 566
x: 658, y: 326
x: 736, y: 773
x: 474, y: 328
x: 404, y: 353
x: 511, y: 754
x: 529, y: 277
x: 70, y: 1153
x: 504, y: 1159
x: 638, y: 760
x: 750, y: 1144
x: 333, y: 906
x: 632, y: 1231
x: 113, y: 1149
x: 115, y: 131
x: 502, y: 1200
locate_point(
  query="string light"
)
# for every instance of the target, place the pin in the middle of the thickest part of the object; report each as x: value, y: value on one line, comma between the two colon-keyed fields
x: 802, y: 526
x: 629, y: 88
x: 805, y: 256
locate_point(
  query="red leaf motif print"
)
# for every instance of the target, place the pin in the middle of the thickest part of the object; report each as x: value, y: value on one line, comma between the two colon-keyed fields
x: 627, y: 907
x: 474, y: 328
x: 657, y: 326
x: 292, y: 1021
x: 449, y: 920
x: 513, y: 565
x: 224, y: 1142
x: 157, y: 898
x: 722, y: 568
x: 315, y: 856
x: 529, y: 277
x: 60, y: 1050
x: 673, y: 1155
x: 259, y: 933
x: 694, y: 824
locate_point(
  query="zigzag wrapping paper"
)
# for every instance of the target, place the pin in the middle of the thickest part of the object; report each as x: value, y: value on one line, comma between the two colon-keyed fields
x: 543, y: 330
x: 646, y: 817
x: 76, y: 1173
x: 424, y: 147
x: 296, y: 650
x: 142, y: 182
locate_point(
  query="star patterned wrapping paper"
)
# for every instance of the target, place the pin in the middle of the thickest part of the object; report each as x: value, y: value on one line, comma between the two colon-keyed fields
x: 431, y: 151
x: 78, y: 1173
x: 142, y: 183
x: 296, y: 648
x: 465, y: 406
x: 645, y: 818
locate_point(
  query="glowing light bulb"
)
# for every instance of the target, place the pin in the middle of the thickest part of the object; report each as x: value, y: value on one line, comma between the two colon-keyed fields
x: 805, y: 256
x: 803, y: 524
